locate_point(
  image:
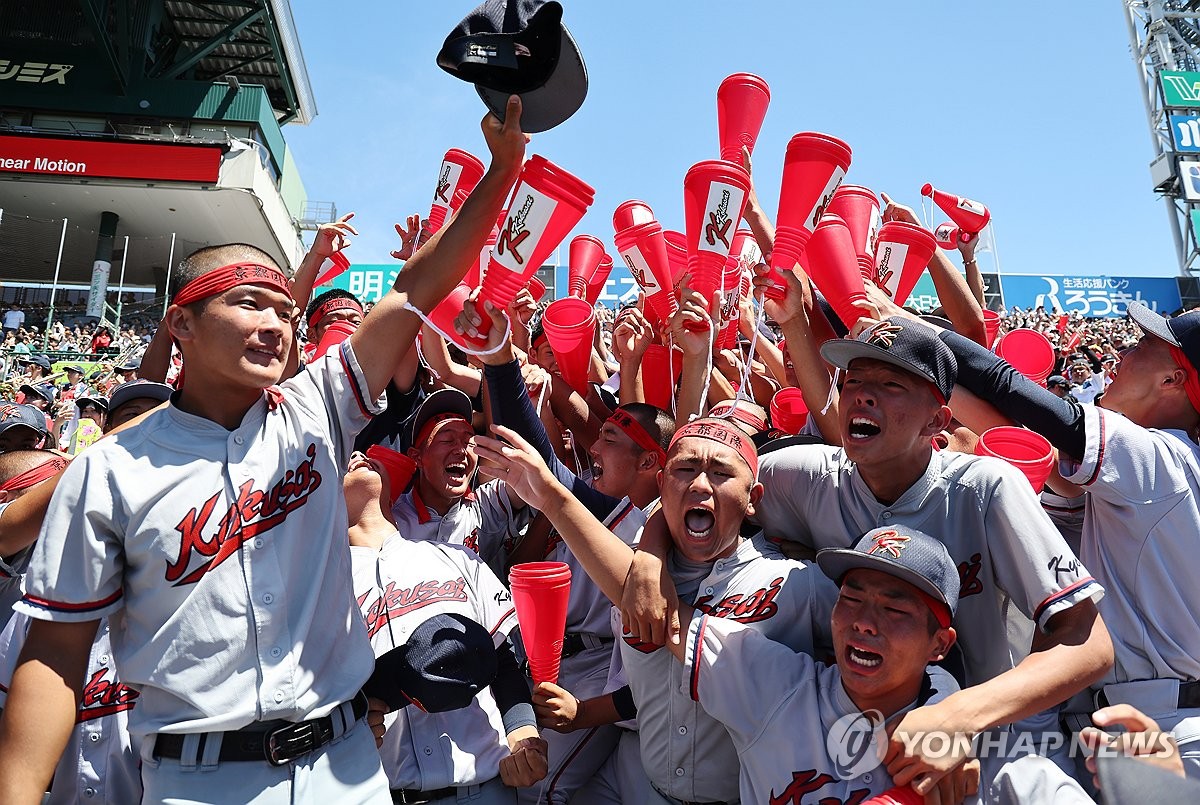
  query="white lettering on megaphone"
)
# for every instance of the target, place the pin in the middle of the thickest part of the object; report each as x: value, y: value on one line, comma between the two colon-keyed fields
x: 1189, y: 133
x: 814, y: 215
x: 640, y: 270
x: 873, y: 231
x: 523, y: 229
x: 889, y: 263
x: 971, y: 206
x: 717, y: 230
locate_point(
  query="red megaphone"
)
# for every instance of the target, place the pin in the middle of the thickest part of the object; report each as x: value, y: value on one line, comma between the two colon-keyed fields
x: 714, y: 198
x: 458, y: 175
x: 643, y: 249
x: 585, y: 255
x: 970, y: 216
x: 859, y: 208
x: 631, y: 213
x: 742, y: 101
x: 474, y: 274
x: 677, y: 255
x: 833, y: 266
x: 570, y: 326
x: 813, y: 168
x: 947, y: 235
x: 661, y: 367
x: 901, y: 255
x: 540, y: 593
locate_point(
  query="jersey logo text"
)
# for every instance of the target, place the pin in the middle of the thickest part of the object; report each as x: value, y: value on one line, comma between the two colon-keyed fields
x: 806, y: 782
x: 397, y: 601
x: 103, y: 695
x: 968, y: 573
x: 758, y: 606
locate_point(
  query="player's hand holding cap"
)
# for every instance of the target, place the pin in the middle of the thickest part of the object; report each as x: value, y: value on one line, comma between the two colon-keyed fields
x: 442, y: 666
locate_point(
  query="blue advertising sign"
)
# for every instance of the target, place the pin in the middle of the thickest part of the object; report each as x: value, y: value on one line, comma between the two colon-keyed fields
x: 1185, y: 132
x: 1092, y: 296
x: 370, y: 281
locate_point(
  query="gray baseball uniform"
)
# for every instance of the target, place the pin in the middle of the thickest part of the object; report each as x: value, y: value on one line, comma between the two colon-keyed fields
x: 687, y: 754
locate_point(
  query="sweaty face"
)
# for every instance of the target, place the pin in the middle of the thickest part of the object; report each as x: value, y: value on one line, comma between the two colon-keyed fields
x: 1137, y: 379
x: 240, y: 338
x: 887, y: 414
x: 707, y: 490
x: 448, y: 461
x: 883, y: 637
x: 614, y: 461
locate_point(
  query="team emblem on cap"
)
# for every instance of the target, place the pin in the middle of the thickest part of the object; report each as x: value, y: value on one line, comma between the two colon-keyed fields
x: 889, y: 542
x: 882, y: 334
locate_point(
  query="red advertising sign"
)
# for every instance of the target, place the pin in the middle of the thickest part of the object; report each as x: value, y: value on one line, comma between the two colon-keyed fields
x: 115, y: 160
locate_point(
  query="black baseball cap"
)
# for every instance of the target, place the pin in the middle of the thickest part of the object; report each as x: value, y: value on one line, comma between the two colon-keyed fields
x: 1181, y: 331
x: 443, y: 665
x: 903, y: 343
x: 12, y: 416
x: 519, y: 47
x: 39, y: 360
x: 43, y: 390
x: 443, y: 402
x: 1057, y: 380
x: 903, y: 552
x: 98, y: 400
x: 136, y: 389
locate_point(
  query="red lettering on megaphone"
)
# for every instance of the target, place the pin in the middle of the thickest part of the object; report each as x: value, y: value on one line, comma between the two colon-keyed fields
x: 443, y: 185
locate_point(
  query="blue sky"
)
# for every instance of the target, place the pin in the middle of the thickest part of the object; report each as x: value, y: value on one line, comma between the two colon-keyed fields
x: 1032, y: 109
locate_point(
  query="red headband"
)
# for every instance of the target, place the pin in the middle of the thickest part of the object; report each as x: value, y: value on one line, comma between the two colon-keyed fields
x: 222, y: 279
x: 731, y: 410
x: 1192, y: 383
x: 720, y: 430
x: 940, y: 611
x: 329, y: 306
x: 431, y: 423
x: 34, y: 475
x: 625, y: 422
x: 400, y: 468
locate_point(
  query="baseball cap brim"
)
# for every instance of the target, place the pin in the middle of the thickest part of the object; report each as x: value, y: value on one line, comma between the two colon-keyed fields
x: 1152, y: 323
x: 41, y: 393
x: 841, y: 352
x: 837, y: 562
x: 442, y: 401
x: 126, y: 392
x: 560, y: 97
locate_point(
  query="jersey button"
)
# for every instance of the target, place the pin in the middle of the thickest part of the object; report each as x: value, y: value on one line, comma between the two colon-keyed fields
x: 95, y: 736
x: 258, y: 542
x: 428, y: 751
x: 276, y: 651
x: 866, y: 778
x: 278, y: 696
x: 683, y: 730
x: 679, y: 772
x: 887, y: 515
x: 708, y: 590
x: 89, y: 792
x: 238, y: 439
x: 267, y: 598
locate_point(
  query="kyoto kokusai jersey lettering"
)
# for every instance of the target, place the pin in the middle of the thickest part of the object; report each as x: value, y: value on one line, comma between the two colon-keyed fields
x: 397, y: 588
x: 220, y: 556
x: 781, y: 737
x: 100, y: 763
x: 686, y: 753
x: 1139, y: 532
x: 1012, y: 561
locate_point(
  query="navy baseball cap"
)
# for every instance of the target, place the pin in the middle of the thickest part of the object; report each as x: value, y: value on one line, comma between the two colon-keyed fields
x: 1057, y: 380
x: 43, y: 390
x: 442, y: 666
x: 1181, y: 331
x: 444, y: 404
x: 136, y: 389
x: 905, y: 553
x: 39, y: 360
x: 904, y: 344
x: 98, y: 400
x: 519, y: 47
x: 73, y: 368
x: 15, y: 415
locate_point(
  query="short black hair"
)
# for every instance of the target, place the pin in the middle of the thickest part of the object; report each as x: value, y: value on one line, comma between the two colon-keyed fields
x: 322, y: 298
x: 204, y: 260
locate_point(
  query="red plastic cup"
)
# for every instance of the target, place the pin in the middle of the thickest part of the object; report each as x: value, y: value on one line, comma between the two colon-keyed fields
x: 631, y: 213
x: 731, y: 286
x: 400, y: 468
x: 547, y: 204
x: 448, y: 309
x: 991, y: 326
x: 714, y: 198
x: 334, y: 335
x: 599, y: 280
x: 339, y: 262
x: 661, y: 368
x: 1029, y: 452
x: 643, y: 249
x: 789, y: 412
x: 1029, y: 352
x: 570, y: 326
x: 459, y: 173
x: 742, y: 101
x: 584, y: 257
x: 833, y: 266
x: 541, y: 592
x: 903, y: 252
x: 537, y: 288
x: 813, y: 167
x: 859, y: 208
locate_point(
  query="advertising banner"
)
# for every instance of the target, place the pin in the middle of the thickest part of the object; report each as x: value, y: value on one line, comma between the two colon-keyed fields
x: 1091, y: 296
x: 110, y: 160
x: 1180, y: 88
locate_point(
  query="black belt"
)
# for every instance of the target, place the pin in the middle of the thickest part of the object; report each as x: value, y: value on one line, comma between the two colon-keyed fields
x: 275, y: 744
x: 670, y: 798
x: 1189, y: 696
x: 573, y: 644
x: 415, y: 796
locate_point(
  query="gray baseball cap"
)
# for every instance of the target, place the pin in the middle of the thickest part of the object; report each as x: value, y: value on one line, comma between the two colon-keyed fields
x: 905, y: 553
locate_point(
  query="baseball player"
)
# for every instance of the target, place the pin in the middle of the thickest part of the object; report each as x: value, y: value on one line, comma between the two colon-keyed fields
x: 22, y: 427
x: 626, y: 459
x: 20, y: 472
x: 1136, y: 458
x: 708, y: 486
x: 442, y: 506
x: 1010, y: 557
x: 232, y: 617
x: 330, y: 306
x: 476, y: 754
